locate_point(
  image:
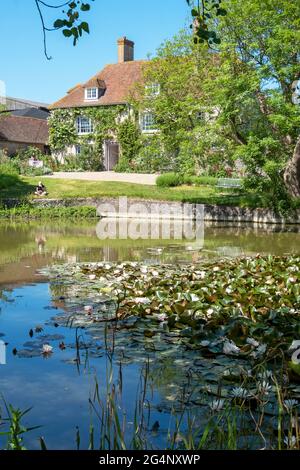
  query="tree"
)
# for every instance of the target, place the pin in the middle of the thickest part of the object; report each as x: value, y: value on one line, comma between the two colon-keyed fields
x: 246, y: 84
x: 70, y: 24
x: 269, y: 44
x: 205, y: 13
x: 190, y: 139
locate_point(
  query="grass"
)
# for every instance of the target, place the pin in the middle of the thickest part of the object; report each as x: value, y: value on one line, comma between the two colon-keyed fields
x: 66, y: 189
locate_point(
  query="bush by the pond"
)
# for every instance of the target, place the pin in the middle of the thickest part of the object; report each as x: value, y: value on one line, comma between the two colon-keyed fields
x: 29, y: 211
x: 169, y: 180
x: 200, y: 180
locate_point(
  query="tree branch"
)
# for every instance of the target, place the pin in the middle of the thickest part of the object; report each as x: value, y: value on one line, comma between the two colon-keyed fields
x: 44, y: 29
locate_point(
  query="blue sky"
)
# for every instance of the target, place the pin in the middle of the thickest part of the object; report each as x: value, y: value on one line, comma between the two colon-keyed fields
x: 27, y: 73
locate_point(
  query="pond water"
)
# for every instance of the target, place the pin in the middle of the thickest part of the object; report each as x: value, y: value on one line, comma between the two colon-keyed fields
x: 58, y: 386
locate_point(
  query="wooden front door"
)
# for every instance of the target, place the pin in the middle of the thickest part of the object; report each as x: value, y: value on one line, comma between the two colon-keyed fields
x: 111, y: 155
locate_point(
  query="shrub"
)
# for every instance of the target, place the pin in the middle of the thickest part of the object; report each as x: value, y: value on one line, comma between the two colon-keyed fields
x: 8, y: 165
x: 31, y: 171
x: 168, y: 180
x: 200, y: 180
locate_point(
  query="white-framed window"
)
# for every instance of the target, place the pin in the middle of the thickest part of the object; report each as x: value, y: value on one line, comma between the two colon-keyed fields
x: 152, y: 90
x: 91, y: 93
x: 201, y: 116
x: 84, y: 125
x: 147, y: 122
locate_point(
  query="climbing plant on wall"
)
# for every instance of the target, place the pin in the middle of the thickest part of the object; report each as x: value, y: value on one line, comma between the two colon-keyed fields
x: 63, y: 132
x: 110, y: 123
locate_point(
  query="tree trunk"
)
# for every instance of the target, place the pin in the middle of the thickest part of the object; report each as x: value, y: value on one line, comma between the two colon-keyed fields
x: 292, y: 173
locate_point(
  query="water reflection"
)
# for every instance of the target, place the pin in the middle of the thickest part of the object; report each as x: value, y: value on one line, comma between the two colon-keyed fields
x: 54, y: 387
x: 25, y: 248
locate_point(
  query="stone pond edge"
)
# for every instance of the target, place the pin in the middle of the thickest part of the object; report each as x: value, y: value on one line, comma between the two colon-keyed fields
x: 112, y: 207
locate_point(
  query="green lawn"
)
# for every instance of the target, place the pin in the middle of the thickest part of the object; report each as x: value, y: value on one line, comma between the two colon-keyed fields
x: 57, y: 188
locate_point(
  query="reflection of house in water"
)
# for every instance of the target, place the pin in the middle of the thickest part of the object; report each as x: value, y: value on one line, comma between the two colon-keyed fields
x: 230, y: 251
x: 150, y: 229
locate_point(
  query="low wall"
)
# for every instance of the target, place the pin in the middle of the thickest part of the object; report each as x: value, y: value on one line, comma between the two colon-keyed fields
x: 133, y: 208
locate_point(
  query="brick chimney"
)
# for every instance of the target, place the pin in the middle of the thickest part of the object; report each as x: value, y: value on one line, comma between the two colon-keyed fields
x: 125, y: 50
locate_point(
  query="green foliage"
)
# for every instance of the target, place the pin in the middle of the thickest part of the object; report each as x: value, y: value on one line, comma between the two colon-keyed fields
x: 16, y: 431
x: 89, y: 159
x: 200, y: 180
x: 169, y: 180
x: 71, y: 24
x: 62, y: 130
x: 205, y: 13
x: 63, y: 134
x: 8, y: 166
x: 129, y: 138
x: 29, y: 211
x: 229, y: 111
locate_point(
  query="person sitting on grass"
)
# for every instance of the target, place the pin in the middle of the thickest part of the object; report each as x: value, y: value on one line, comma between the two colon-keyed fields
x: 40, y: 189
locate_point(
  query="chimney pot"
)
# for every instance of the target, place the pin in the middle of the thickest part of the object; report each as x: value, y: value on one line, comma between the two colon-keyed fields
x: 125, y: 50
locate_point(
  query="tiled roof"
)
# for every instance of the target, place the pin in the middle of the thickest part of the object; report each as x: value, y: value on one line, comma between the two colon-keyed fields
x: 24, y: 130
x: 118, y: 79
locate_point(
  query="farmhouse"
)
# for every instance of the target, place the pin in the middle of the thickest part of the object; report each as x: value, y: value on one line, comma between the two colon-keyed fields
x: 96, y: 106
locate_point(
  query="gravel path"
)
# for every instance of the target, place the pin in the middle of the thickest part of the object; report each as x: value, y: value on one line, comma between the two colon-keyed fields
x: 106, y: 176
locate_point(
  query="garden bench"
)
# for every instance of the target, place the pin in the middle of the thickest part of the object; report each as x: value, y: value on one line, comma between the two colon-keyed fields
x: 230, y: 183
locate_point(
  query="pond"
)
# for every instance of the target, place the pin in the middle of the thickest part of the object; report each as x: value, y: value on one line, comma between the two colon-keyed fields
x: 64, y: 387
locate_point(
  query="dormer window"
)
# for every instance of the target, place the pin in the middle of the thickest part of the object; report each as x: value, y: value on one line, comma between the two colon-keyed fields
x: 92, y: 93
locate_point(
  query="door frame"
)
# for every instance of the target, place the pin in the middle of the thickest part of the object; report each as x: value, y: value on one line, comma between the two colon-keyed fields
x: 107, y: 153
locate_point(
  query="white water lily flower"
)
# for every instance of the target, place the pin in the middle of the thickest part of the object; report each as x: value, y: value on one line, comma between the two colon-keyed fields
x: 201, y: 274
x: 144, y: 269
x: 295, y: 345
x: 265, y: 375
x: 107, y: 266
x: 292, y: 280
x: 142, y: 300
x: 119, y: 291
x: 92, y: 277
x: 264, y: 387
x: 293, y: 268
x: 230, y: 347
x: 217, y: 405
x: 88, y: 309
x: 155, y: 273
x: 290, y: 404
x: 194, y: 298
x: 204, y: 343
x: 290, y: 441
x: 47, y: 349
x: 162, y: 316
x: 210, y: 312
x: 216, y: 268
x: 228, y: 290
x: 240, y: 392
x: 252, y: 342
x: 259, y: 351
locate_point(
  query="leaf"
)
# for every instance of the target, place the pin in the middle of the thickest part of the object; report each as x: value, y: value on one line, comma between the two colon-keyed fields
x: 43, y: 444
x: 221, y: 12
x: 59, y: 24
x: 84, y: 25
x: 67, y: 33
x: 85, y: 7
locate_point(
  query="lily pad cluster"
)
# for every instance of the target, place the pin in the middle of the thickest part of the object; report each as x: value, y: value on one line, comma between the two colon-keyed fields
x: 244, y: 307
x: 225, y: 332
